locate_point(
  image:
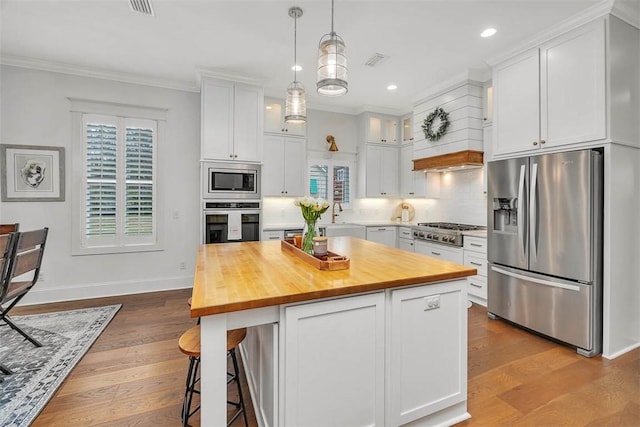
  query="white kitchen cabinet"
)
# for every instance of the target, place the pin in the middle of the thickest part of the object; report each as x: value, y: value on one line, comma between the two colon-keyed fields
x: 378, y: 169
x: 232, y: 121
x: 274, y: 110
x: 406, y: 123
x: 553, y: 95
x: 412, y: 184
x: 475, y: 256
x: 405, y: 239
x: 380, y: 128
x: 272, y: 235
x: 384, y: 235
x: 427, y: 369
x: 284, y: 166
x: 335, y: 358
x: 436, y: 250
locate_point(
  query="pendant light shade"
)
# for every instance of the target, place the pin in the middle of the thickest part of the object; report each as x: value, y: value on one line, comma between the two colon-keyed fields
x: 332, y: 64
x: 295, y: 109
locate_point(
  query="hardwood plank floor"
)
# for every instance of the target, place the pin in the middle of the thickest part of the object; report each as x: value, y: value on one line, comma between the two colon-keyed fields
x: 134, y: 374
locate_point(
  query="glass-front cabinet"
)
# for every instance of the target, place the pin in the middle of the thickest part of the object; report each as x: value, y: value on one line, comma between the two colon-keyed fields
x: 274, y: 119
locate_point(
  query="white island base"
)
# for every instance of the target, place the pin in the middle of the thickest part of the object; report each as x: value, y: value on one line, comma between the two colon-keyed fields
x: 386, y: 358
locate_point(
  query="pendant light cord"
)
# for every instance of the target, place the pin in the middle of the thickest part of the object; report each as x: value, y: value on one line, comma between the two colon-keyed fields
x: 295, y: 47
x: 332, y: 32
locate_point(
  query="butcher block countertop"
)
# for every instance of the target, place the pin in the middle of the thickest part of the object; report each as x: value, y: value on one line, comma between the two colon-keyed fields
x: 239, y: 276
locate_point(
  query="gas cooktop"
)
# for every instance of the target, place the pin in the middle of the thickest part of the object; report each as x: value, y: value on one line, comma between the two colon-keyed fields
x: 448, y: 233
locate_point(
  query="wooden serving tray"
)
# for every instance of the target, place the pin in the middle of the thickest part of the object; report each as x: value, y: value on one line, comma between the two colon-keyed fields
x: 329, y: 262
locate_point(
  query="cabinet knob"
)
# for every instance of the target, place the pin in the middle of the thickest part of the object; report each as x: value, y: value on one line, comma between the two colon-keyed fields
x: 231, y: 156
x: 235, y: 156
x: 535, y: 142
x: 543, y: 142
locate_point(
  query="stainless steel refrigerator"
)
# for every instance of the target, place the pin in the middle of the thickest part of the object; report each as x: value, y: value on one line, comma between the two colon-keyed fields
x: 545, y: 245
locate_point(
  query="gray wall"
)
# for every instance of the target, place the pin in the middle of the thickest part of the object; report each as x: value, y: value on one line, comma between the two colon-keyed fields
x: 35, y: 111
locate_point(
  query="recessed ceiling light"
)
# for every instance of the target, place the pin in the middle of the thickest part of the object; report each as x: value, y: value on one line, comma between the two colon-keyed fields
x: 488, y: 32
x: 296, y: 68
x: 392, y: 87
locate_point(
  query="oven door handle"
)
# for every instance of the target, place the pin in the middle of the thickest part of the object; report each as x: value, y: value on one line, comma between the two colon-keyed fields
x: 227, y: 212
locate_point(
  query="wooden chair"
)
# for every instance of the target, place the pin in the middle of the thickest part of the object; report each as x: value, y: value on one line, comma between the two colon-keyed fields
x: 27, y: 258
x: 7, y: 248
x: 9, y: 228
x: 189, y: 344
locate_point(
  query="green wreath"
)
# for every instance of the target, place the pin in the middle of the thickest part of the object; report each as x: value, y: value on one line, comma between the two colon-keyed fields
x: 441, y: 118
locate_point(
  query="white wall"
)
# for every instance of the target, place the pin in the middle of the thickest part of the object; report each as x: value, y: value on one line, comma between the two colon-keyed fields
x: 35, y: 111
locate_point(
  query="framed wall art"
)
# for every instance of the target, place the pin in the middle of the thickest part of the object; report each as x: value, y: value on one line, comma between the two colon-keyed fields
x: 32, y: 173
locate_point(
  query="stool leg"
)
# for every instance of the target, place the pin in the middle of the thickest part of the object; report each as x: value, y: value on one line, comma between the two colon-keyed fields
x: 236, y: 372
x: 190, y: 389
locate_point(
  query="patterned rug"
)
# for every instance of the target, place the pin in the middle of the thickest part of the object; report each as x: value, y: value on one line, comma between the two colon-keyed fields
x: 38, y: 372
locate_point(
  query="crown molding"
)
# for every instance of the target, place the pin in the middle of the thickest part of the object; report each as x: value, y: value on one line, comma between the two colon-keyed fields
x: 628, y: 11
x: 596, y: 11
x: 226, y: 75
x: 76, y: 70
x: 470, y: 77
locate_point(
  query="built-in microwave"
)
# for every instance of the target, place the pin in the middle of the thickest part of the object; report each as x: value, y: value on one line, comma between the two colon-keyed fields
x: 230, y: 181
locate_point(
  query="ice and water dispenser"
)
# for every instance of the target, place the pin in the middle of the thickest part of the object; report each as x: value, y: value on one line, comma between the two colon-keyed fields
x: 505, y: 215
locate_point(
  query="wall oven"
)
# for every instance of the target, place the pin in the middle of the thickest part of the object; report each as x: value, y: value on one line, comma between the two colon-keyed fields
x: 231, y: 221
x: 230, y: 181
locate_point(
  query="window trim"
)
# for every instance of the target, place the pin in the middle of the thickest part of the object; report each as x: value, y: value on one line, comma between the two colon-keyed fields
x: 126, y: 114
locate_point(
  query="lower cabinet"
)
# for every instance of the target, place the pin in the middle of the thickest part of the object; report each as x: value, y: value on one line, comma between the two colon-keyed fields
x: 334, y: 362
x: 443, y: 252
x: 385, y: 235
x: 475, y: 255
x: 428, y: 351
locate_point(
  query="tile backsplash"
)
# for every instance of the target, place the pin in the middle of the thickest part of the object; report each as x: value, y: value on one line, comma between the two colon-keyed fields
x: 462, y: 199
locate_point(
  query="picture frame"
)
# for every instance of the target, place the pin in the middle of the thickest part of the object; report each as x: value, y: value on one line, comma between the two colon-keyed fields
x: 32, y: 173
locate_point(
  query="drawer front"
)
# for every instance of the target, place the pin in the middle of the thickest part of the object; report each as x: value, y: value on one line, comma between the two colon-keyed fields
x: 477, y: 244
x: 405, y: 233
x: 273, y: 235
x: 477, y: 285
x: 442, y: 252
x: 477, y: 261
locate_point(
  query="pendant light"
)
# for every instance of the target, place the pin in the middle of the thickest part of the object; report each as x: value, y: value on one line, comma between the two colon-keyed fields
x: 332, y: 64
x: 295, y: 110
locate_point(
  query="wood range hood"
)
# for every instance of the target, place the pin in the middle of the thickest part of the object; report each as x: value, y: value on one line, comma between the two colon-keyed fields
x: 466, y: 159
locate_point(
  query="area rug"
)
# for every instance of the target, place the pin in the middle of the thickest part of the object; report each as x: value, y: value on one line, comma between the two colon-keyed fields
x: 38, y: 372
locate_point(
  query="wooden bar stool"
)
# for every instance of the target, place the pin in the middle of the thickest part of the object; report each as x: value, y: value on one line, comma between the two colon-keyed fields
x: 189, y: 344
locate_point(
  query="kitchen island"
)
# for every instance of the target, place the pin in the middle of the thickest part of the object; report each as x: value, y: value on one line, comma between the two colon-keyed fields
x: 381, y: 343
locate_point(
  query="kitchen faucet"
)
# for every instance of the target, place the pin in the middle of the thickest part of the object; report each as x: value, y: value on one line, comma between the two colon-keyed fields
x: 333, y: 211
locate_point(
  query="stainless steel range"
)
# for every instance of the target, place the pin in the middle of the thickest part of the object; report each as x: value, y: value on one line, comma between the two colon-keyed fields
x: 447, y: 233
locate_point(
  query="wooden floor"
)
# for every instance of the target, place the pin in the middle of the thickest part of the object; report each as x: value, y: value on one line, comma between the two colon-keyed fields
x: 134, y: 374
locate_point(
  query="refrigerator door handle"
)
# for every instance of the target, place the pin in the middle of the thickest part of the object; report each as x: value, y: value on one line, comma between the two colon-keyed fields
x: 535, y: 279
x: 521, y: 223
x: 533, y: 208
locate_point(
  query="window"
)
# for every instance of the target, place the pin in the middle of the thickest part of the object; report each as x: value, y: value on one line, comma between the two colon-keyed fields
x: 331, y: 180
x: 116, y: 190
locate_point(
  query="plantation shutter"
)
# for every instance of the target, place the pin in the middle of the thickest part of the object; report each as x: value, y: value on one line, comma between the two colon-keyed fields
x: 139, y: 181
x: 101, y: 178
x: 319, y: 181
x: 341, y: 184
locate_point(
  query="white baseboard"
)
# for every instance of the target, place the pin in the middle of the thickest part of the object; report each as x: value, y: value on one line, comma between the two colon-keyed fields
x: 620, y: 352
x: 43, y: 295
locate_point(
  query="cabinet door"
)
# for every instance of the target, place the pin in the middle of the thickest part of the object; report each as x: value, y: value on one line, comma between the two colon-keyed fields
x: 390, y: 130
x: 573, y: 87
x: 217, y: 120
x: 406, y: 244
x: 373, y: 177
x: 428, y: 350
x: 407, y: 128
x: 383, y: 235
x: 273, y: 166
x: 294, y: 168
x: 412, y: 184
x: 374, y: 129
x: 389, y: 185
x: 334, y: 372
x: 273, y: 116
x: 517, y: 104
x: 248, y: 123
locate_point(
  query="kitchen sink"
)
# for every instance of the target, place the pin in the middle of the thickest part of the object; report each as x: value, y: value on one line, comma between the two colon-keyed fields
x: 334, y: 230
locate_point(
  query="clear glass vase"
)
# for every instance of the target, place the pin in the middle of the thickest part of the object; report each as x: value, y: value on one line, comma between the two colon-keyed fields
x: 310, y: 231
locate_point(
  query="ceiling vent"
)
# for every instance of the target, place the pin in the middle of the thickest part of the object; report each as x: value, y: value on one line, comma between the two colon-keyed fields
x: 376, y: 59
x: 141, y: 6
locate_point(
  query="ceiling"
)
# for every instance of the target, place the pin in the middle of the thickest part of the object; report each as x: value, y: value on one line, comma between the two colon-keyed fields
x: 427, y: 42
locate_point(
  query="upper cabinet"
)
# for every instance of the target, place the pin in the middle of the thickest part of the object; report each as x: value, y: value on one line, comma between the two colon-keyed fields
x: 232, y: 121
x: 412, y: 184
x: 380, y: 128
x: 378, y: 171
x: 406, y: 124
x: 283, y: 167
x: 274, y: 119
x: 553, y: 95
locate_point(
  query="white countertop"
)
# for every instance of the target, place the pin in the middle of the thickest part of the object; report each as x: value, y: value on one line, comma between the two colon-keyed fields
x: 475, y: 233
